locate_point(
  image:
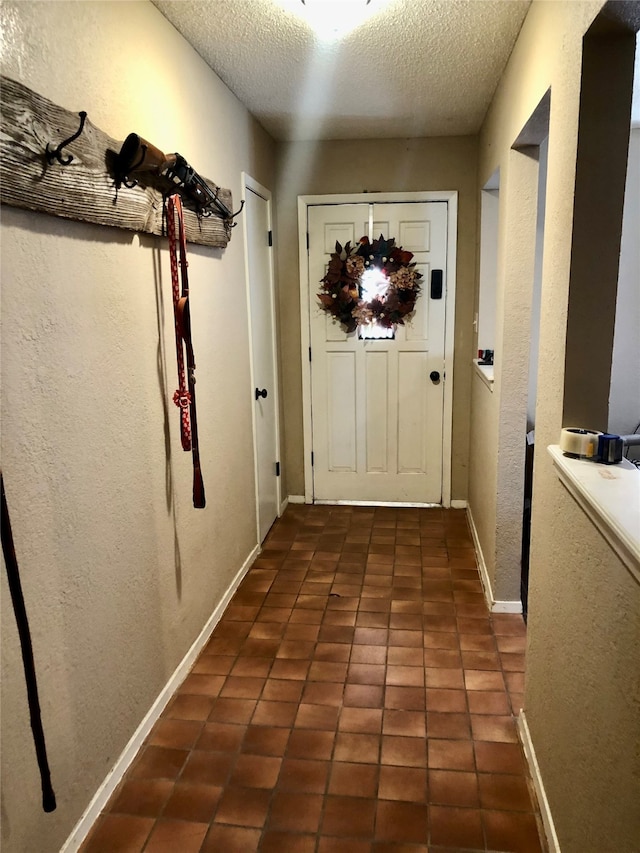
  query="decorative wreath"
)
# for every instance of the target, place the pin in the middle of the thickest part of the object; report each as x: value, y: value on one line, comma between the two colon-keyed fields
x: 370, y: 283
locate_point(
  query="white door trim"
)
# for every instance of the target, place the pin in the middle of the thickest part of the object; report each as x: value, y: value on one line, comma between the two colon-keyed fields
x: 250, y: 184
x: 306, y: 201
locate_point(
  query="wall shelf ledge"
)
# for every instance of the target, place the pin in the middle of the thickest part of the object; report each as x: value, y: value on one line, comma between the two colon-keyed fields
x: 610, y: 496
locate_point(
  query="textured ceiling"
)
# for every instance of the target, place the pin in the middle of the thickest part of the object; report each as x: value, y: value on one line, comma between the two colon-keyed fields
x: 414, y: 68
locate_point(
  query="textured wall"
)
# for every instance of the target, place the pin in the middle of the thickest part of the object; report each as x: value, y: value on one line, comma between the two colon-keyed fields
x: 120, y: 573
x: 582, y: 686
x: 390, y: 165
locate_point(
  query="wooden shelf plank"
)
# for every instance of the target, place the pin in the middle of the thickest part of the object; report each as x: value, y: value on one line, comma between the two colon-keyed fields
x: 84, y: 190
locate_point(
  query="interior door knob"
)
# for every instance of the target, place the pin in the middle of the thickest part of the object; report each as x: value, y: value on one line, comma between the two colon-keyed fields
x: 434, y: 376
x: 260, y: 393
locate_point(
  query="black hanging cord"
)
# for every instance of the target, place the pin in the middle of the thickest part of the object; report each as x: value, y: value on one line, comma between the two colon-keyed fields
x: 17, y: 598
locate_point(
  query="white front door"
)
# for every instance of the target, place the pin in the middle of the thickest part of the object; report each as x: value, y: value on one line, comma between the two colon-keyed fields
x: 262, y: 318
x: 377, y: 405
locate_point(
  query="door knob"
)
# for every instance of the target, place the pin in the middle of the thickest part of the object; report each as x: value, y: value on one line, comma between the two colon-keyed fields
x: 260, y: 393
x: 434, y: 376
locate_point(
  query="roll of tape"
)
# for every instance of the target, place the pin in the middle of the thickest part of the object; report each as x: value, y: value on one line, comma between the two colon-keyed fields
x: 581, y: 443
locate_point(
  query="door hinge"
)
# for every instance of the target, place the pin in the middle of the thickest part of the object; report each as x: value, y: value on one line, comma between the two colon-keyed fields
x: 277, y: 469
x: 309, y: 353
x: 307, y: 241
x: 270, y: 237
x: 312, y: 458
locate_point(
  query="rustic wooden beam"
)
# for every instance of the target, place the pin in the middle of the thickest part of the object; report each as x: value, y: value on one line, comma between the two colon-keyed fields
x: 85, y: 189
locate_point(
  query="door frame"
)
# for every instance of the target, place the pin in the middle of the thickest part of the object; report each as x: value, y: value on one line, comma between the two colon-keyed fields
x: 306, y: 201
x: 249, y: 184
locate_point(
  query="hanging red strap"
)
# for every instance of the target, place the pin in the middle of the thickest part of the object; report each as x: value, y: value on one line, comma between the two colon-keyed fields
x: 185, y: 395
x: 181, y: 398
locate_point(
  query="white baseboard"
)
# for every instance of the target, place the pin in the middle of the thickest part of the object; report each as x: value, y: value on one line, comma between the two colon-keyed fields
x: 493, y: 605
x: 114, y: 777
x: 458, y: 504
x: 296, y: 499
x: 536, y: 777
x: 283, y: 506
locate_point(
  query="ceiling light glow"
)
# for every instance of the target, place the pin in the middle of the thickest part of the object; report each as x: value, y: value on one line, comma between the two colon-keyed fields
x: 332, y: 20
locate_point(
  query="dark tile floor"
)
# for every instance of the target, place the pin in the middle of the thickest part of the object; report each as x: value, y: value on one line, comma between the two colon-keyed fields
x: 356, y: 697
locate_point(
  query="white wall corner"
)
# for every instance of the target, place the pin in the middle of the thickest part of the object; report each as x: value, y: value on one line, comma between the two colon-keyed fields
x: 494, y: 606
x: 534, y: 769
x: 115, y: 775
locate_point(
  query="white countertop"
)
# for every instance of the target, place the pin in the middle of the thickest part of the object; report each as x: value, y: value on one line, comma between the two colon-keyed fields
x: 610, y: 495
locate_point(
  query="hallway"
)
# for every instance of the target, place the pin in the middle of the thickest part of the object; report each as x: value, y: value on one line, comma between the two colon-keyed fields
x: 356, y: 697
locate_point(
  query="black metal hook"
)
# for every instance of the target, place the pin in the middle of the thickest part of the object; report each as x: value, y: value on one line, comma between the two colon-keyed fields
x: 56, y: 154
x: 237, y: 213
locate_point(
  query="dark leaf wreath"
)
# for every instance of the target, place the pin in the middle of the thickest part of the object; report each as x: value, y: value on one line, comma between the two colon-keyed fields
x: 342, y: 286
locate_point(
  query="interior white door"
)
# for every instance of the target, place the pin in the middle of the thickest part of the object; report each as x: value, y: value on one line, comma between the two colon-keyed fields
x: 377, y: 405
x: 263, y: 391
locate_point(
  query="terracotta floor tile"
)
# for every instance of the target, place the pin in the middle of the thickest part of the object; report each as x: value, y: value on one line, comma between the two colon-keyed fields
x: 353, y: 780
x: 294, y: 812
x: 362, y: 720
x: 455, y: 827
x: 358, y: 748
x: 281, y: 690
x: 159, y: 762
x: 477, y: 679
x: 453, y: 788
x: 404, y: 751
x: 494, y: 728
x: 403, y: 783
x: 251, y: 667
x: 513, y: 831
x: 236, y: 711
x: 405, y: 676
x: 348, y: 817
x: 317, y: 717
x: 241, y: 687
x: 444, y: 678
x: 406, y: 723
x: 143, y: 797
x: 255, y: 771
x: 494, y: 757
x: 441, y: 725
x: 450, y: 754
x: 279, y: 842
x: 333, y: 708
x: 265, y: 740
x: 446, y: 701
x: 231, y: 839
x: 116, y: 833
x: 243, y: 807
x: 208, y: 768
x: 221, y: 737
x: 488, y: 702
x: 504, y: 792
x: 274, y: 713
x: 305, y: 743
x: 193, y: 802
x: 401, y: 822
x: 188, y: 707
x: 328, y: 844
x: 175, y: 734
x: 404, y: 698
x: 363, y: 696
x: 304, y: 775
x: 168, y: 836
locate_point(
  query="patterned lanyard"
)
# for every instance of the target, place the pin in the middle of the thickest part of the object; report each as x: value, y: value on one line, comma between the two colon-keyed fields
x: 185, y: 395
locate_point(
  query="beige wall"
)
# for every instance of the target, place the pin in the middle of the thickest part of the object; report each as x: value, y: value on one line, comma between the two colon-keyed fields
x: 355, y: 166
x: 582, y: 696
x: 120, y: 573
